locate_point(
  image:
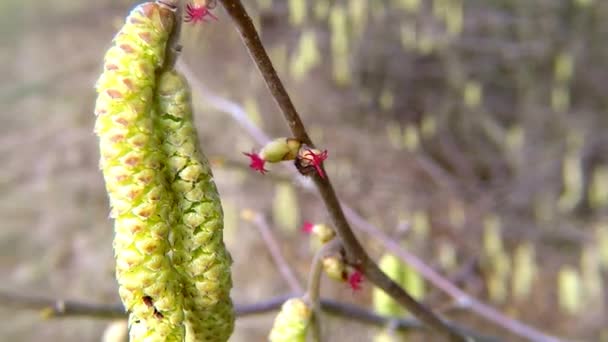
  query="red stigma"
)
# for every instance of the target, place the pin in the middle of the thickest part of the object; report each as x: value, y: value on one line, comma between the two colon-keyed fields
x: 196, y: 13
x: 316, y: 160
x: 257, y: 163
x: 355, y: 280
x: 307, y: 227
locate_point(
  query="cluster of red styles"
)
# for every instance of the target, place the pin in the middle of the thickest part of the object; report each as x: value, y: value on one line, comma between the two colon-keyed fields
x: 199, y: 12
x: 355, y: 278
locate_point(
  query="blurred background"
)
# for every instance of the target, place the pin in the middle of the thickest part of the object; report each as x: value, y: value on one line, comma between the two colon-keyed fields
x: 473, y: 132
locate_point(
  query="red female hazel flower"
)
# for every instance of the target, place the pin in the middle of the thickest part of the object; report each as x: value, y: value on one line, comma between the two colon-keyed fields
x: 321, y: 231
x: 199, y: 11
x: 315, y: 158
x: 355, y: 279
x: 257, y: 163
x: 307, y: 227
x: 275, y: 151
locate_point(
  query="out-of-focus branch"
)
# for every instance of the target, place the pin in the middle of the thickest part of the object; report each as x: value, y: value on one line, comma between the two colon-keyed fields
x: 272, y: 244
x: 355, y: 253
x: 56, y: 308
x: 313, y: 292
x: 59, y: 308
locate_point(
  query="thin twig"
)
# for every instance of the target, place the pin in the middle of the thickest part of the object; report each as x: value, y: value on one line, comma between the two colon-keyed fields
x: 59, y: 308
x: 215, y: 101
x: 483, y: 310
x: 313, y: 292
x: 355, y: 253
x: 52, y: 308
x: 275, y: 250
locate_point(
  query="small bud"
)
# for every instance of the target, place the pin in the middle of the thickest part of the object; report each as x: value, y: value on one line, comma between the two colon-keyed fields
x: 335, y: 268
x: 322, y: 231
x: 280, y: 149
x: 291, y: 324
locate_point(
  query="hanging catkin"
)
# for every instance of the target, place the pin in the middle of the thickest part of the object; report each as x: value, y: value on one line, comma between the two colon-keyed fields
x: 197, y: 236
x: 131, y: 161
x: 172, y: 267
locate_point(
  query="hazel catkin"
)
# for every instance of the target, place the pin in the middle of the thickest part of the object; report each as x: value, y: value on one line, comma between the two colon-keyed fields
x: 141, y: 203
x: 197, y: 237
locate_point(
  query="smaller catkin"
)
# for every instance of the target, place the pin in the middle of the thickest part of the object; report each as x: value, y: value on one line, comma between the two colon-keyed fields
x: 291, y: 324
x: 197, y: 236
x: 149, y: 286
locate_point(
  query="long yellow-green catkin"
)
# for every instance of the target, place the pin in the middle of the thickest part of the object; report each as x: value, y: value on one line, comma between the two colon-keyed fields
x: 291, y: 324
x: 199, y: 251
x: 131, y: 162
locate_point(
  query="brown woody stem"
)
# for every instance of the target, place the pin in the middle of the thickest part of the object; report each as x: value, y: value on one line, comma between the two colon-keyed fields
x: 355, y: 253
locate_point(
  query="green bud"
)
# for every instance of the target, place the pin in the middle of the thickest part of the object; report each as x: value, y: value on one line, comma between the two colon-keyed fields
x: 280, y: 149
x: 323, y: 232
x: 335, y: 268
x: 291, y: 324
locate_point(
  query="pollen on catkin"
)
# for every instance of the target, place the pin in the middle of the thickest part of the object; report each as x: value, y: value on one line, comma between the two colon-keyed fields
x: 131, y: 161
x: 197, y: 238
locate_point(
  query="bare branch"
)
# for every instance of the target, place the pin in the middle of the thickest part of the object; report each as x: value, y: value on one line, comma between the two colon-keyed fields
x: 355, y: 254
x: 273, y: 247
x: 313, y: 292
x: 52, y: 308
x: 58, y: 308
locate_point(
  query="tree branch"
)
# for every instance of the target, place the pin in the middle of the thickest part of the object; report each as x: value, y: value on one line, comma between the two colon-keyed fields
x: 56, y: 308
x: 313, y: 292
x: 273, y: 247
x: 355, y: 254
x: 59, y: 308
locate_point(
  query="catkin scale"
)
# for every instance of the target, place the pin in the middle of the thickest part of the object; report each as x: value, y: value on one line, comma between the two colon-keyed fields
x: 197, y: 236
x: 131, y: 161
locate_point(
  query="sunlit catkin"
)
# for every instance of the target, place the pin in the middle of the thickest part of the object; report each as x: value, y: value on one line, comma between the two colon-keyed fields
x: 131, y: 163
x: 291, y: 324
x: 197, y: 237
